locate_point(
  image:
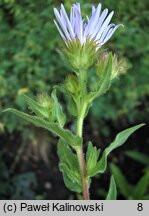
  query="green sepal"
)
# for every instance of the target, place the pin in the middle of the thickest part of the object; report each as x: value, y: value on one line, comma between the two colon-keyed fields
x: 112, y: 193
x: 119, y: 140
x: 78, y: 56
x: 57, y: 110
x: 66, y: 135
x: 92, y: 156
x: 69, y: 166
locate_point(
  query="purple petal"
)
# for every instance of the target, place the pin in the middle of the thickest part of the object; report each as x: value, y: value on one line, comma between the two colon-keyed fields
x: 67, y: 21
x: 93, y: 9
x: 112, y: 32
x: 93, y: 21
x: 98, y: 27
x: 78, y: 28
x: 99, y: 24
x: 61, y: 33
x: 62, y: 23
x: 104, y: 25
x: 106, y: 31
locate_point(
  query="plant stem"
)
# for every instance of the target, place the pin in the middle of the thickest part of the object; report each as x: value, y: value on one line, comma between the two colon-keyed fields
x: 83, y: 172
x: 79, y: 150
x: 82, y: 80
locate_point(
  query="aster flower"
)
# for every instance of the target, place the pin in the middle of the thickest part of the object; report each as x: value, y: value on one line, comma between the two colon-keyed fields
x: 96, y: 28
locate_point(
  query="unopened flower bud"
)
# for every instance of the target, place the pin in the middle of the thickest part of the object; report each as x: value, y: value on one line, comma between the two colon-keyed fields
x: 44, y: 100
x: 72, y: 84
x: 118, y: 66
x: 102, y: 63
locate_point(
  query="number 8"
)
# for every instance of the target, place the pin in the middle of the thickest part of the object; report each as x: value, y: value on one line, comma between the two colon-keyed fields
x: 140, y: 207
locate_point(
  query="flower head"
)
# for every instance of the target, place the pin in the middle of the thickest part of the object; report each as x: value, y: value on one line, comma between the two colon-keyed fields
x: 97, y: 28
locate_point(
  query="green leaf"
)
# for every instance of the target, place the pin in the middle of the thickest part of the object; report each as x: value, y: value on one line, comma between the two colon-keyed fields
x: 104, y: 82
x: 112, y: 194
x: 69, y: 166
x: 57, y: 110
x: 125, y: 188
x: 37, y: 108
x: 92, y: 156
x: 137, y: 156
x: 72, y: 107
x: 119, y: 141
x: 141, y: 187
x: 122, y: 137
x: 66, y: 135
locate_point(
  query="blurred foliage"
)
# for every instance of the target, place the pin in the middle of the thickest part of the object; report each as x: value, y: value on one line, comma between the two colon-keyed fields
x: 139, y: 157
x: 131, y: 192
x: 30, y: 63
x: 20, y: 186
x: 28, y: 58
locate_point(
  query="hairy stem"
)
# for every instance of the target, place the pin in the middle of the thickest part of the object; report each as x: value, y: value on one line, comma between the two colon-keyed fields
x: 79, y: 150
x: 83, y: 172
x: 82, y: 82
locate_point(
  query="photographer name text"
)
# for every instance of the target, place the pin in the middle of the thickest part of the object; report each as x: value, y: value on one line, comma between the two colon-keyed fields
x: 54, y: 207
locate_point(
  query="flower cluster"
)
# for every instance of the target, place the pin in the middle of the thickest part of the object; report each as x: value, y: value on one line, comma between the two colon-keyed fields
x: 97, y: 28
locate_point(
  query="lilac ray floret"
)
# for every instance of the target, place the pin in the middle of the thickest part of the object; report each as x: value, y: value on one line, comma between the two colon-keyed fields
x: 97, y: 27
x: 93, y: 21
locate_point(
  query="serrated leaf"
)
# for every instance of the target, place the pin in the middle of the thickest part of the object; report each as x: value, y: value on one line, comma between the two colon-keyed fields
x: 112, y: 194
x: 141, y: 187
x: 121, y: 182
x: 92, y: 156
x: 57, y: 110
x: 66, y: 135
x: 119, y: 141
x: 69, y: 166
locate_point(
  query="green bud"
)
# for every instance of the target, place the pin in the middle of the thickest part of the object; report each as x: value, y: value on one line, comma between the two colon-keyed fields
x: 80, y: 56
x: 57, y: 112
x: 118, y: 67
x: 72, y: 84
x: 45, y: 105
x: 42, y: 107
x: 44, y: 100
x: 102, y: 63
